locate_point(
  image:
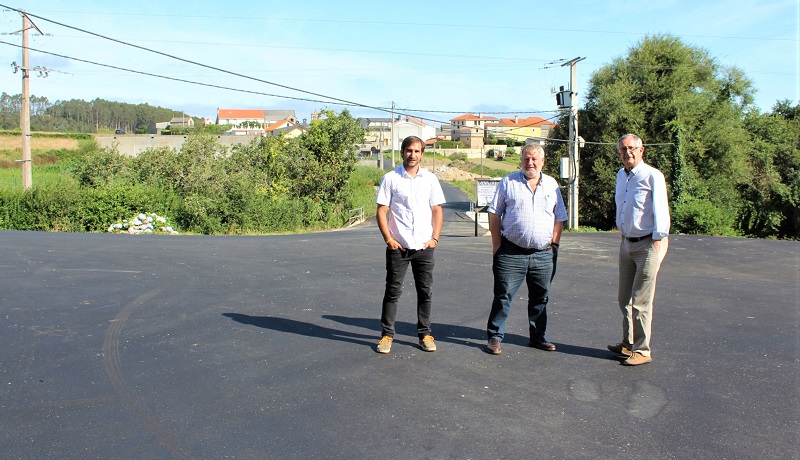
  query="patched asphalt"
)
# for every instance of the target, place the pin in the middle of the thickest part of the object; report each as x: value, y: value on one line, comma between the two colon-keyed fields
x: 119, y: 346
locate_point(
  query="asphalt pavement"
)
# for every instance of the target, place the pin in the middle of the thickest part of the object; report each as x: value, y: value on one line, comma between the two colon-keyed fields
x: 120, y: 346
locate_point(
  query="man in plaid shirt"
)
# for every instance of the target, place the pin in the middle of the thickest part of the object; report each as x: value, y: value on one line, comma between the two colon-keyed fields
x: 526, y: 217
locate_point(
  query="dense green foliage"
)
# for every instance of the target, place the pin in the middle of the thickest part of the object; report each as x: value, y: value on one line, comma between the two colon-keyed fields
x: 271, y: 185
x: 730, y: 170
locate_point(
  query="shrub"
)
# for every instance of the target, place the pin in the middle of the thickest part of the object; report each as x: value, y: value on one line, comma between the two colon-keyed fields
x: 701, y: 217
x: 100, y: 168
x: 40, y: 208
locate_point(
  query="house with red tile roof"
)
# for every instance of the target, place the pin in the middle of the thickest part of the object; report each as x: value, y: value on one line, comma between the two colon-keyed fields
x: 238, y: 117
x: 265, y: 118
x: 286, y: 128
x: 470, y: 129
x: 520, y: 129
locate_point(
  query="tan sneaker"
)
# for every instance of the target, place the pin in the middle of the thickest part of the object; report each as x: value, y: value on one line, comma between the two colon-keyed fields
x: 385, y: 345
x: 620, y: 349
x: 637, y: 359
x: 427, y: 343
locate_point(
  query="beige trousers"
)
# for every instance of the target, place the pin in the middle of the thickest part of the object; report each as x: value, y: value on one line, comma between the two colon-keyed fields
x: 639, y: 263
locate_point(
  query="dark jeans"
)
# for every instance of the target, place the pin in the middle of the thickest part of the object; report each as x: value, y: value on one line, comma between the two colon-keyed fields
x: 511, y: 266
x: 397, y: 263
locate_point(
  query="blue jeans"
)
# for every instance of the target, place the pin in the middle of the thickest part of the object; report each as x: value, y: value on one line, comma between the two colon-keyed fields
x: 511, y: 266
x: 397, y: 263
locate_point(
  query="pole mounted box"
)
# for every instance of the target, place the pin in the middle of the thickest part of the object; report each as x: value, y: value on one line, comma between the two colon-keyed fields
x: 563, y: 98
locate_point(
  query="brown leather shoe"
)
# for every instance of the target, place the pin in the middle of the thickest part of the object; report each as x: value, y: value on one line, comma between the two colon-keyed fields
x: 620, y: 349
x: 637, y: 359
x: 493, y: 347
x: 542, y: 345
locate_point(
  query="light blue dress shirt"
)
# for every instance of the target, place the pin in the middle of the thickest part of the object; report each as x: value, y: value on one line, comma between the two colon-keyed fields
x: 528, y: 216
x: 642, y: 207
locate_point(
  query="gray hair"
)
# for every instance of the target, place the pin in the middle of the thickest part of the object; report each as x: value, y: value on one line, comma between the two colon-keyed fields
x: 625, y: 136
x: 533, y: 148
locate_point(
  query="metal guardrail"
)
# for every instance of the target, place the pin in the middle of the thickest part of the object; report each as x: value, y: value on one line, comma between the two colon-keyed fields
x: 355, y: 216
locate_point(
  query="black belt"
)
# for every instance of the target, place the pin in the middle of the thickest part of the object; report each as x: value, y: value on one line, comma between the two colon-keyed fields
x: 638, y: 238
x: 521, y: 249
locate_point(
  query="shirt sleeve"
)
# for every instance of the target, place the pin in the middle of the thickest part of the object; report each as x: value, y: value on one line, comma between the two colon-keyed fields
x: 384, y: 192
x: 661, y: 220
x: 560, y: 210
x: 437, y: 195
x: 498, y: 203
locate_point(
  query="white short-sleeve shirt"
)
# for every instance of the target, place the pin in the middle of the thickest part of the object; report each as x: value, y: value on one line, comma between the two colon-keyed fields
x: 409, y: 200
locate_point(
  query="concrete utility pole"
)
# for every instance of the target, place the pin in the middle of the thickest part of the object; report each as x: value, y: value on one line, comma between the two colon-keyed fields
x: 574, y: 154
x: 392, y: 143
x: 25, y: 110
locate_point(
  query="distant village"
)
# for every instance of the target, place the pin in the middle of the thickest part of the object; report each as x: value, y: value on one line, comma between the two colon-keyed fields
x: 473, y: 131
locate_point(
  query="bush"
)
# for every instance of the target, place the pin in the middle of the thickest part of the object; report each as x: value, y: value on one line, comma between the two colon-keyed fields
x: 271, y: 185
x: 40, y: 209
x: 64, y: 207
x: 701, y: 217
x: 100, y: 168
x: 100, y: 207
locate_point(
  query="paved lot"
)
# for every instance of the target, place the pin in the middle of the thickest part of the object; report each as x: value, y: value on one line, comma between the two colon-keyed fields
x: 118, y: 346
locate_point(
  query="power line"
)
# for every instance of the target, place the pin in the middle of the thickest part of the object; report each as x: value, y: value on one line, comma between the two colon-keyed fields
x: 260, y: 93
x: 181, y: 80
x: 424, y: 24
x: 189, y: 61
x: 332, y: 99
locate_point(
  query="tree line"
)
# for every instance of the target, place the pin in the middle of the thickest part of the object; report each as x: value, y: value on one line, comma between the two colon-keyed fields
x: 77, y: 115
x: 730, y: 169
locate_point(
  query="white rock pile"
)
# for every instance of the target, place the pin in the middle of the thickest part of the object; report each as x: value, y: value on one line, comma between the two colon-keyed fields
x: 143, y: 223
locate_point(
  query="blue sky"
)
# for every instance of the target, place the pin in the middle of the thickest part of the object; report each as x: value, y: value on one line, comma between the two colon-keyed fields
x: 424, y: 56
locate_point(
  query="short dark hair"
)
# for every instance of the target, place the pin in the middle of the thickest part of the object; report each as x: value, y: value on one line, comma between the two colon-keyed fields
x: 412, y: 140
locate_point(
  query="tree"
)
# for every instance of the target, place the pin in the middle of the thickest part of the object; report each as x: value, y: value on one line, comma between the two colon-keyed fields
x: 772, y: 192
x: 689, y: 110
x: 323, y: 158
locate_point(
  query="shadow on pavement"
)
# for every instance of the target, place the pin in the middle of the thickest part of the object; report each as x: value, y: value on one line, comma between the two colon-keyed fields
x: 302, y: 328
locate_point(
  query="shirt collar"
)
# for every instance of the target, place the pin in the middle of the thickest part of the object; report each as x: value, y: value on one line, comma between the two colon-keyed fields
x: 635, y: 170
x: 521, y: 177
x: 420, y: 172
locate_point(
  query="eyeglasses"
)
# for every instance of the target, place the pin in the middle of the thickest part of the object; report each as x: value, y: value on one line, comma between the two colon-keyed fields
x: 628, y: 148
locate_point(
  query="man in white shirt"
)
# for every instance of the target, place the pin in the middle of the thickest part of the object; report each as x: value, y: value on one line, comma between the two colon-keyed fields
x: 409, y: 217
x: 526, y: 216
x: 643, y: 219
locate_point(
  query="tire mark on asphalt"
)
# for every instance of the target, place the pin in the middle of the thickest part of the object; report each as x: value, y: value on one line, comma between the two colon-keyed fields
x: 113, y: 366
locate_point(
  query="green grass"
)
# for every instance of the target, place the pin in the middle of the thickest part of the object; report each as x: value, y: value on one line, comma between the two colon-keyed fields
x: 11, y: 178
x: 467, y: 186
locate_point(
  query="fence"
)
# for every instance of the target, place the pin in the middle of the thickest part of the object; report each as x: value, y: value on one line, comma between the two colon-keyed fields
x: 355, y: 216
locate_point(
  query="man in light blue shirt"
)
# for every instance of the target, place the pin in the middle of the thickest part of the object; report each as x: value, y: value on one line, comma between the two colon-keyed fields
x: 526, y: 217
x: 643, y: 219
